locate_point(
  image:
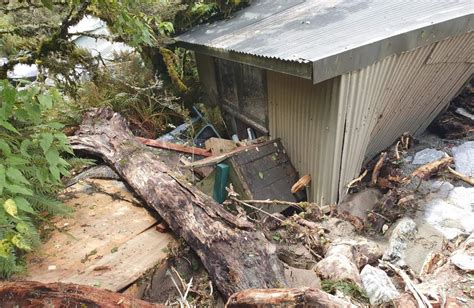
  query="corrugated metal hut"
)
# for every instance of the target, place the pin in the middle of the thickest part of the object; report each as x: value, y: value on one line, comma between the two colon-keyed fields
x: 337, y: 80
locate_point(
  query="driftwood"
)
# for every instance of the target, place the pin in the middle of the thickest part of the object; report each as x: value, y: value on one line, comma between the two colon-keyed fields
x: 236, y: 256
x: 36, y: 294
x: 300, y: 297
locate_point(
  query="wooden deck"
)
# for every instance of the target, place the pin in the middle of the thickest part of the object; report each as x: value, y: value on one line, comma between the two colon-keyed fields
x: 108, y: 242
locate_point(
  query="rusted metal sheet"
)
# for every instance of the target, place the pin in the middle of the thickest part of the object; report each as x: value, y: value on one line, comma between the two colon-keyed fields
x: 402, y: 93
x: 306, y: 117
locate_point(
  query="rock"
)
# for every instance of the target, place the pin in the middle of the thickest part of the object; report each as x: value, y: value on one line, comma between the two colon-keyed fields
x: 359, y: 250
x: 427, y: 156
x: 404, y: 231
x: 463, y: 258
x: 296, y: 256
x: 299, y: 278
x: 406, y: 300
x: 360, y: 203
x: 338, y: 228
x: 367, y: 252
x: 449, y: 209
x: 269, y: 223
x: 378, y: 285
x: 464, y: 158
x: 338, y: 267
x: 428, y: 241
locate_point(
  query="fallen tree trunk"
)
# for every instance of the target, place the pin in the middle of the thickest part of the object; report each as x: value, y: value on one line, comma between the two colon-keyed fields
x: 300, y: 297
x: 36, y: 294
x: 236, y: 256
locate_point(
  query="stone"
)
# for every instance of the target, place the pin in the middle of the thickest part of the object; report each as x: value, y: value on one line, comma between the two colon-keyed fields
x: 378, y: 285
x: 464, y: 158
x: 296, y: 255
x: 427, y: 156
x: 449, y: 209
x: 302, y: 278
x: 359, y: 250
x: 358, y: 204
x: 338, y: 228
x: 463, y: 258
x: 338, y: 267
x: 404, y: 231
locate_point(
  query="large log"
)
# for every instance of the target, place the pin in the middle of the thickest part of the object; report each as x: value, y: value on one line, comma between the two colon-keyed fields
x: 36, y: 294
x: 236, y: 256
x: 299, y: 297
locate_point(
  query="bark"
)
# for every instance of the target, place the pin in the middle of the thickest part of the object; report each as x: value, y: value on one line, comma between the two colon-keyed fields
x: 300, y: 297
x: 235, y: 255
x: 36, y: 294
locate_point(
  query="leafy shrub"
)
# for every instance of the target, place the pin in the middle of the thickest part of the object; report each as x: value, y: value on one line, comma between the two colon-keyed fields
x: 31, y: 166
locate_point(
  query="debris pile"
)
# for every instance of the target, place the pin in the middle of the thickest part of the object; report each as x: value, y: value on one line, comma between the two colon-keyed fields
x: 245, y: 233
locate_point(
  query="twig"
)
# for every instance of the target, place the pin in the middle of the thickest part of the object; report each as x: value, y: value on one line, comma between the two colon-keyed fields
x: 183, y: 285
x: 255, y: 208
x: 272, y: 202
x: 397, y: 153
x: 381, y: 216
x: 378, y: 166
x: 420, y: 297
x: 461, y: 176
x: 356, y: 180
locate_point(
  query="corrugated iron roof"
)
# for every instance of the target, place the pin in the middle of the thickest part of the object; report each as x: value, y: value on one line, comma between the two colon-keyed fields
x: 334, y: 36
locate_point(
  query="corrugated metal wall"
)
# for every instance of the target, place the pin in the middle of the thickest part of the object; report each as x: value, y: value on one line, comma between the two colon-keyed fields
x: 306, y: 118
x: 402, y: 93
x: 331, y: 128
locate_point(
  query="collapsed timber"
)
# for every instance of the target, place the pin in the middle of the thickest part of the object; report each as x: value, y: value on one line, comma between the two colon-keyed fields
x: 257, y: 256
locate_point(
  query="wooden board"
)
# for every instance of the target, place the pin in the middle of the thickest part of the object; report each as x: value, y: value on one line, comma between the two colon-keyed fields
x: 105, y: 225
x: 266, y: 172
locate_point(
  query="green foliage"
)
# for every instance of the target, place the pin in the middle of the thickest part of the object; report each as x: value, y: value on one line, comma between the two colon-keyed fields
x: 348, y: 288
x: 31, y: 166
x: 131, y: 88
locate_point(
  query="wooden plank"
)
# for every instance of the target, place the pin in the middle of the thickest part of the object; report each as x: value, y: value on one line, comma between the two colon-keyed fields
x: 115, y: 271
x: 266, y: 173
x: 208, y: 161
x: 105, y: 217
x: 174, y: 147
x: 219, y: 146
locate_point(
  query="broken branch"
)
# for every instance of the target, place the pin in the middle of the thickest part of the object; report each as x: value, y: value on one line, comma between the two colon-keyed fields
x: 37, y: 294
x: 427, y: 170
x: 356, y: 180
x: 421, y: 299
x: 301, y: 183
x: 174, y: 147
x: 461, y: 176
x: 378, y: 166
x: 304, y: 297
